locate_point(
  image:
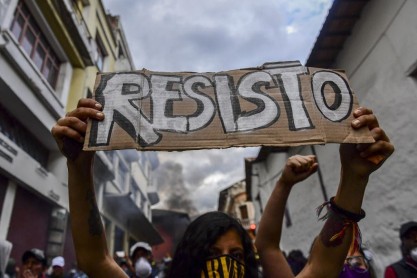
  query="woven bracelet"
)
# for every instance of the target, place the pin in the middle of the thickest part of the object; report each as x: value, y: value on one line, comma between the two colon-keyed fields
x: 355, y: 217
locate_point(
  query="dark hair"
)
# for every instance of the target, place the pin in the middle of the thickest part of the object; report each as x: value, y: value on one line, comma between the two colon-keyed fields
x: 371, y: 269
x: 194, y: 248
x: 296, y: 260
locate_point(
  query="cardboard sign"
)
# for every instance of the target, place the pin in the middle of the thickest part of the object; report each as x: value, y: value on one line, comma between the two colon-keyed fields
x: 277, y: 104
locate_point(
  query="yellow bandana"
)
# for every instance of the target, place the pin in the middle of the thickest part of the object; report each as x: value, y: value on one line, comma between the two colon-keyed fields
x: 223, y: 267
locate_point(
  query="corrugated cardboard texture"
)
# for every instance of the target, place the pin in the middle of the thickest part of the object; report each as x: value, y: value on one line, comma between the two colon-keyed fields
x: 277, y: 104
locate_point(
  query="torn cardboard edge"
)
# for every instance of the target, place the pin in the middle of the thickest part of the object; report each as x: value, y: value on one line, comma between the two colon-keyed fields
x: 277, y: 104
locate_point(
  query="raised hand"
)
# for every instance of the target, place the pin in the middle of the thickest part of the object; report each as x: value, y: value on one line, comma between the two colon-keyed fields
x: 69, y: 131
x: 363, y: 159
x: 298, y: 168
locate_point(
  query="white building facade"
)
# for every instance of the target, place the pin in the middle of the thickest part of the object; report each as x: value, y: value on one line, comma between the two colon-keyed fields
x: 50, y: 52
x: 377, y: 50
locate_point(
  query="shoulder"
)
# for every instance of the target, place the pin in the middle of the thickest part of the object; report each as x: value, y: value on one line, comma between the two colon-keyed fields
x: 390, y: 272
x: 399, y: 262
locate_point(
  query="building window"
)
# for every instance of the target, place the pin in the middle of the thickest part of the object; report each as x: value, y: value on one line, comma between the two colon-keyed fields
x: 34, y: 42
x: 121, y: 54
x: 244, y: 212
x: 122, y: 175
x: 17, y: 133
x: 119, y: 236
x: 101, y: 54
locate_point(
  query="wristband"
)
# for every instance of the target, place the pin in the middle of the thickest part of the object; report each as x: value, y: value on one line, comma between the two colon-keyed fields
x: 347, y: 219
x: 355, y: 217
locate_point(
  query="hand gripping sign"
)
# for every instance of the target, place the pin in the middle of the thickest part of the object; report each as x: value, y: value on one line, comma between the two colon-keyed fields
x: 277, y: 104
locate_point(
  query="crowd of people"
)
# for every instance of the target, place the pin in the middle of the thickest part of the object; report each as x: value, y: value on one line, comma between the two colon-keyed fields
x: 34, y: 264
x: 215, y: 244
x: 360, y: 264
x: 139, y: 261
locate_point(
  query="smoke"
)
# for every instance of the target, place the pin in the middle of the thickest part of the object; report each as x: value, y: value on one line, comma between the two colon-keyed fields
x: 202, y: 173
x: 173, y: 193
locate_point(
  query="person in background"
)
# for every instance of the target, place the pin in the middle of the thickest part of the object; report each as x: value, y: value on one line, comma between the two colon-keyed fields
x: 357, y: 265
x: 33, y: 264
x: 76, y: 273
x: 57, y: 267
x: 407, y: 266
x: 296, y: 260
x: 141, y: 257
x: 5, y: 249
x: 12, y: 270
x: 126, y: 266
x: 164, y: 266
x: 340, y: 235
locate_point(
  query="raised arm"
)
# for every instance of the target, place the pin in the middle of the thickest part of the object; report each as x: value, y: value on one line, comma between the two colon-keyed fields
x: 268, y: 237
x: 336, y: 238
x: 339, y: 234
x: 87, y: 229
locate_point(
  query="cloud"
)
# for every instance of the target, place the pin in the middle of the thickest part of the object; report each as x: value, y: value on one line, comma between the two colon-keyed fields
x: 215, y: 35
x: 189, y: 35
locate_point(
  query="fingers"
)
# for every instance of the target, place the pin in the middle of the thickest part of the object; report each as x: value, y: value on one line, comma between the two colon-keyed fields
x: 302, y: 163
x: 297, y: 168
x: 364, y: 117
x: 74, y: 124
x: 362, y: 111
x: 382, y: 148
x: 60, y: 132
x: 88, y: 102
x: 83, y: 113
x: 378, y: 151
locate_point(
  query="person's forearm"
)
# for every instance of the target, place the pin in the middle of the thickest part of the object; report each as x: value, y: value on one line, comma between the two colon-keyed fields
x: 336, y: 236
x: 270, y: 226
x: 87, y: 228
x: 351, y: 191
x: 269, y: 234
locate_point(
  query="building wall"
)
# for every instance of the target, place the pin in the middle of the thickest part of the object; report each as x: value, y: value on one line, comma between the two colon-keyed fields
x: 379, y: 57
x: 3, y: 188
x: 34, y: 214
x: 31, y: 215
x: 69, y: 251
x: 235, y: 204
x: 30, y: 104
x: 380, y: 77
x: 300, y: 223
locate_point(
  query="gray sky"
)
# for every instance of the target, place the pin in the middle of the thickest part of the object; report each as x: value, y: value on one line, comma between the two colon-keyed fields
x: 216, y: 35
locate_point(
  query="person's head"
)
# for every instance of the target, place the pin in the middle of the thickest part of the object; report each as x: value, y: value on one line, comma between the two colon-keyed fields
x: 140, y: 254
x: 33, y: 261
x: 11, y: 267
x: 57, y: 265
x: 357, y: 265
x: 296, y: 260
x: 123, y: 264
x: 408, y: 236
x: 210, y: 237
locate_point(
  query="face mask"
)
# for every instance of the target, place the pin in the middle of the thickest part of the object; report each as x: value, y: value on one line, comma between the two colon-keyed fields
x: 349, y: 272
x: 143, y: 268
x: 223, y: 267
x: 413, y: 254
